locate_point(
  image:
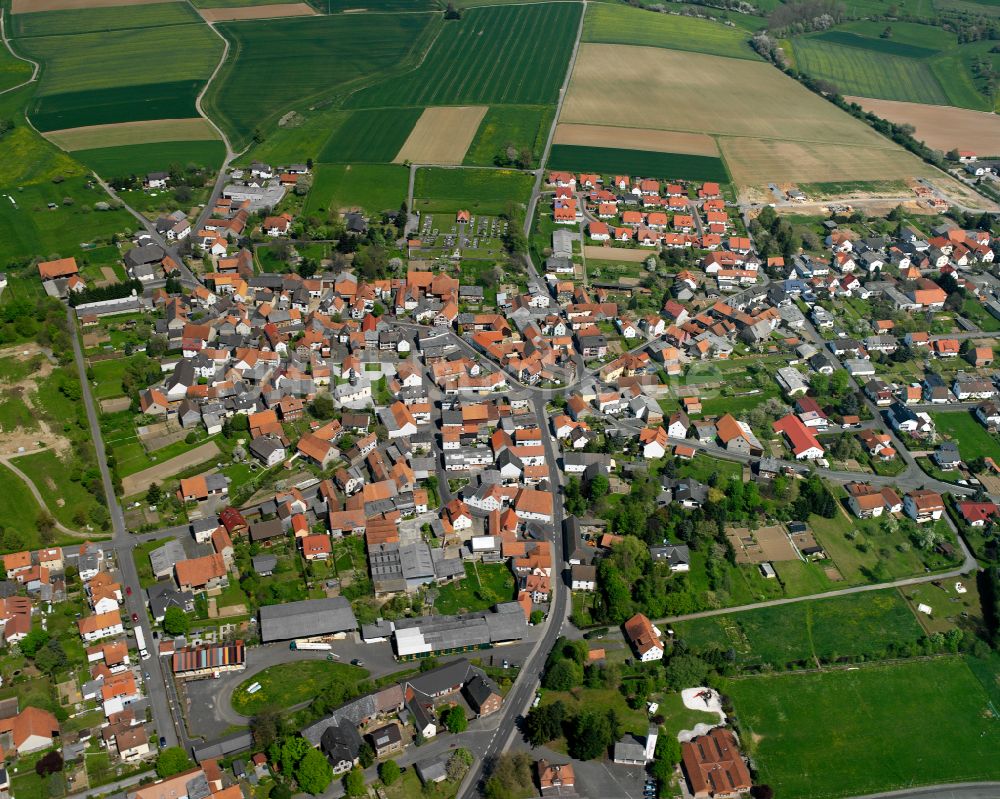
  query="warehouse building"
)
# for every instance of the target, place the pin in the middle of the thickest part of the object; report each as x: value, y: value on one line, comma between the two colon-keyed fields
x: 445, y: 635
x: 310, y: 618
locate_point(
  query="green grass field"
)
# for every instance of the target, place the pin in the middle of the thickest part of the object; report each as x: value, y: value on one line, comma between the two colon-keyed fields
x: 108, y: 376
x: 492, y: 56
x: 972, y: 438
x: 378, y: 6
x: 51, y: 476
x: 619, y: 24
x: 124, y: 83
x: 374, y: 187
x: 928, y: 37
x: 277, y: 64
x: 506, y: 126
x: 28, y: 228
x: 849, y: 733
x: 484, y: 585
x: 483, y: 191
x: 825, y: 628
x: 137, y: 159
x: 608, y: 160
x: 869, y: 73
x: 885, y: 46
x: 18, y: 510
x: 12, y: 70
x: 370, y: 137
x: 288, y: 684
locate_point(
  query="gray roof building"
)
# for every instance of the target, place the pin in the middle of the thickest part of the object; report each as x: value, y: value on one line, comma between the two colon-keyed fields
x: 306, y: 619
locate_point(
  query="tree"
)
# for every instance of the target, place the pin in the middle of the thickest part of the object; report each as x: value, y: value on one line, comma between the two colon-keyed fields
x: 762, y: 792
x: 544, y: 723
x: 458, y: 764
x: 354, y: 782
x: 265, y: 727
x: 51, y: 657
x: 49, y: 764
x: 34, y: 641
x: 176, y: 621
x: 366, y: 754
x: 314, y: 774
x: 454, y: 719
x: 686, y: 671
x: 280, y: 791
x: 172, y: 760
x: 388, y: 772
x: 322, y: 406
x: 291, y: 752
x: 154, y: 494
x: 589, y: 735
x: 598, y: 487
x: 562, y: 676
x: 537, y: 617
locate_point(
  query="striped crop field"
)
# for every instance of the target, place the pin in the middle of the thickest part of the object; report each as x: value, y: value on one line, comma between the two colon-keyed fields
x: 514, y: 54
x: 868, y: 73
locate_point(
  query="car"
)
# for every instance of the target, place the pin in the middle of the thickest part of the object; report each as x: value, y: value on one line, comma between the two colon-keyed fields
x: 506, y: 664
x: 538, y: 698
x: 147, y: 675
x: 357, y: 662
x: 163, y: 742
x: 128, y: 590
x: 156, y: 634
x: 135, y: 618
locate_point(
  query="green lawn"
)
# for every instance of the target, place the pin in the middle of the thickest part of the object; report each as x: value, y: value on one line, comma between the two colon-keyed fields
x: 288, y: 684
x: 52, y: 476
x: 373, y: 187
x: 677, y: 717
x: 841, y: 627
x: 108, y: 376
x: 848, y: 733
x: 18, y: 510
x: 465, y: 596
x: 137, y: 159
x: 482, y: 191
x: 972, y: 438
x: 611, y: 23
x: 12, y: 70
x: 30, y: 229
x: 14, y: 413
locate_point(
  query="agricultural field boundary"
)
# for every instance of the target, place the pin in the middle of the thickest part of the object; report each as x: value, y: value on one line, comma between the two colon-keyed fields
x: 147, y: 131
x: 442, y: 135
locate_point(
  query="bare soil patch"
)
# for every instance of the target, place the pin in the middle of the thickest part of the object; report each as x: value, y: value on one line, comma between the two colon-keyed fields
x: 658, y: 141
x: 756, y: 162
x: 30, y: 6
x: 139, y: 482
x: 257, y: 12
x: 21, y: 441
x: 115, y: 404
x: 616, y: 254
x: 145, y: 132
x: 442, y: 135
x: 942, y: 127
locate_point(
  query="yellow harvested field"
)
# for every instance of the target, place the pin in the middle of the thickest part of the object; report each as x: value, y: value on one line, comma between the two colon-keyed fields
x: 649, y: 87
x: 442, y: 135
x: 31, y: 6
x: 942, y: 127
x: 657, y: 141
x: 122, y: 133
x: 272, y: 11
x: 754, y: 162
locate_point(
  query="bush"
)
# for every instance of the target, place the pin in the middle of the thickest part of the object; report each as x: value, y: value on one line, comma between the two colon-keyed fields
x: 388, y: 772
x: 50, y: 764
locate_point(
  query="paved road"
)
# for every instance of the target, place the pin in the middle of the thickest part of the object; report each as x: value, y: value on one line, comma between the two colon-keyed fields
x: 122, y: 545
